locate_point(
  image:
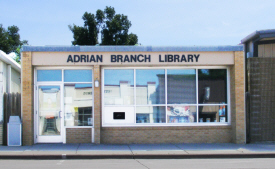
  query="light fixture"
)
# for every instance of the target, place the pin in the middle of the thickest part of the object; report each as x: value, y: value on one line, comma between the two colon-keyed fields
x: 96, y: 83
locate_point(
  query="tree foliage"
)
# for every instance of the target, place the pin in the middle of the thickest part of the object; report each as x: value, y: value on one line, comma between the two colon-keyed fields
x: 113, y: 28
x: 10, y: 39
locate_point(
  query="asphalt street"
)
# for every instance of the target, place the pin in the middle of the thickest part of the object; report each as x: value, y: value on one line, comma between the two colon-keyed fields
x: 244, y: 163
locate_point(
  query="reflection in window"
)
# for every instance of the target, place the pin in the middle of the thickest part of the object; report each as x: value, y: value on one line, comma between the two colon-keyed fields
x: 78, y: 100
x: 49, y: 75
x: 49, y: 109
x: 118, y: 87
x: 78, y: 76
x: 213, y: 113
x: 181, y: 114
x: 212, y: 86
x: 150, y: 114
x: 181, y: 86
x: 150, y: 86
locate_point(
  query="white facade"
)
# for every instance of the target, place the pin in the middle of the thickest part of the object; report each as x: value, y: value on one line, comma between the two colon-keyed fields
x: 10, y: 72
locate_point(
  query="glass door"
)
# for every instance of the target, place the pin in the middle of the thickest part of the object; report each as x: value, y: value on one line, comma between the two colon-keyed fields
x: 49, y: 115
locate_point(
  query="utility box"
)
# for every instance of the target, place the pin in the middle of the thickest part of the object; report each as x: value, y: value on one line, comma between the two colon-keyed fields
x: 14, y: 131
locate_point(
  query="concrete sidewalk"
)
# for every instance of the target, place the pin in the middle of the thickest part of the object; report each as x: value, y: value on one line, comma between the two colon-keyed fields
x: 101, y: 151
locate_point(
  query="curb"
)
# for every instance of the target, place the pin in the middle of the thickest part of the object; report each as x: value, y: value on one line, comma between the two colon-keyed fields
x: 171, y: 156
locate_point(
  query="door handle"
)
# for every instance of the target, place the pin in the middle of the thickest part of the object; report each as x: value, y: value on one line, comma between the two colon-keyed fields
x: 60, y: 114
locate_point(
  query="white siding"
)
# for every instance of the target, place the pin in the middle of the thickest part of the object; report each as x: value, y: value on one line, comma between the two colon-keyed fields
x: 15, y: 81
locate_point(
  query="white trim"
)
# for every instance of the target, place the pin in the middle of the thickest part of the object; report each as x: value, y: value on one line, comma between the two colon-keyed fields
x: 166, y: 95
x: 197, y: 94
x: 93, y: 135
x: 197, y: 123
x: 45, y: 138
x: 228, y: 97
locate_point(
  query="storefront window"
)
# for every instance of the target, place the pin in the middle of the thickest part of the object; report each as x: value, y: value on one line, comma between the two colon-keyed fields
x: 78, y: 101
x: 181, y: 114
x: 118, y: 87
x: 49, y: 75
x: 150, y: 114
x: 213, y: 113
x: 181, y: 86
x: 150, y: 89
x: 167, y: 96
x: 212, y: 86
x: 78, y: 76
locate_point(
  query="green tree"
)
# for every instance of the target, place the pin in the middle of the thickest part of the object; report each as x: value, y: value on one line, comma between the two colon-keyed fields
x: 113, y: 28
x: 10, y: 40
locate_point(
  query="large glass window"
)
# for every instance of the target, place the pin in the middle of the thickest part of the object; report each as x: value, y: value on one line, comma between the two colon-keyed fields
x: 167, y: 96
x: 212, y: 90
x: 181, y: 86
x: 150, y: 86
x: 78, y: 101
x: 119, y: 87
x: 78, y: 76
x: 49, y: 75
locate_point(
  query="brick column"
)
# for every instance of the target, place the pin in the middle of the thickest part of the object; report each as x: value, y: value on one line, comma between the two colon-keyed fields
x: 238, y: 100
x: 27, y: 98
x: 97, y: 105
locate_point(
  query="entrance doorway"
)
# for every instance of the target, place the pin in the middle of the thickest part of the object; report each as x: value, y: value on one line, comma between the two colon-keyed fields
x: 49, y: 114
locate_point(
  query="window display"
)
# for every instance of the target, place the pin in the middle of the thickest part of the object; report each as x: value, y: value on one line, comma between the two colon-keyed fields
x: 175, y: 96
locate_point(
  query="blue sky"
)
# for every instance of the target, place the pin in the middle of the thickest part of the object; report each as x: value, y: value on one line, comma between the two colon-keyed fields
x: 156, y: 22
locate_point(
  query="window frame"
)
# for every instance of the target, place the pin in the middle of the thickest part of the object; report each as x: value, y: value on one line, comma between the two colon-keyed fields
x: 197, y: 123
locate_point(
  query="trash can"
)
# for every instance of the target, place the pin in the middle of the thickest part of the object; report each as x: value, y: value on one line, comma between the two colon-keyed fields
x: 14, y: 131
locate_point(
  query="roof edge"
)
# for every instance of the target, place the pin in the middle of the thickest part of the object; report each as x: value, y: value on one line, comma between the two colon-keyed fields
x: 259, y: 34
x: 131, y: 48
x: 7, y: 59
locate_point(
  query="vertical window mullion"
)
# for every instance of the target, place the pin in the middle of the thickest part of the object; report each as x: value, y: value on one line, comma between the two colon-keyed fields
x: 135, y: 99
x: 166, y: 95
x: 197, y: 95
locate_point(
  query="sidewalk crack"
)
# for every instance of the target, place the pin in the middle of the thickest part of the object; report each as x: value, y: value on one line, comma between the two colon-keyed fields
x: 141, y: 163
x: 135, y: 158
x: 180, y: 148
x: 130, y: 149
x: 77, y: 148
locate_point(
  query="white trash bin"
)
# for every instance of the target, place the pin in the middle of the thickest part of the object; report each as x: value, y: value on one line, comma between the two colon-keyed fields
x: 14, y: 131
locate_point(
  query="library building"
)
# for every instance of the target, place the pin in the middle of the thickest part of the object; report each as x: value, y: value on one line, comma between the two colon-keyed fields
x: 133, y: 94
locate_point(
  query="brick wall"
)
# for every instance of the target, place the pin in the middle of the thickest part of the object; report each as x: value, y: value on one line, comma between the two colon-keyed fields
x: 143, y: 135
x: 97, y: 105
x: 238, y: 109
x: 78, y: 135
x: 27, y: 98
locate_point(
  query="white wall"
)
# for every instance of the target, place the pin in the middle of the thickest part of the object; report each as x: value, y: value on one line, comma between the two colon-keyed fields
x: 15, y: 81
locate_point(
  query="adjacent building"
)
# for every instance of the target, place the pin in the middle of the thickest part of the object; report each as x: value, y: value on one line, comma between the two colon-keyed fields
x: 10, y: 82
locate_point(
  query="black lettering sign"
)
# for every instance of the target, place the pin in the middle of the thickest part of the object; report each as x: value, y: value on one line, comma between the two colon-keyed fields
x: 190, y: 57
x: 83, y: 58
x: 197, y: 57
x: 160, y: 60
x: 70, y: 59
x: 98, y: 58
x: 113, y: 58
x: 183, y: 59
x: 76, y: 58
x: 92, y: 58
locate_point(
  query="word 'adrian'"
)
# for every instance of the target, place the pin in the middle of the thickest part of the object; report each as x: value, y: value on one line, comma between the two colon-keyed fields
x: 84, y: 58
